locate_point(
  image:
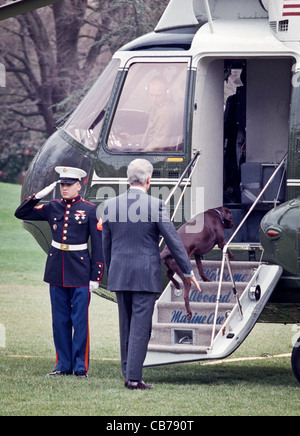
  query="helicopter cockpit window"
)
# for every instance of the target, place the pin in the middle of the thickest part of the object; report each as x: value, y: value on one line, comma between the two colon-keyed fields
x: 150, y: 113
x: 86, y: 122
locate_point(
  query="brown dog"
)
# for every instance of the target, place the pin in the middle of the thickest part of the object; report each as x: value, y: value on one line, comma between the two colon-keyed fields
x: 199, y: 236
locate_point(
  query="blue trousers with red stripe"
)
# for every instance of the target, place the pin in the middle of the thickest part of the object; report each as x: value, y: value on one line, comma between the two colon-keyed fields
x: 70, y: 322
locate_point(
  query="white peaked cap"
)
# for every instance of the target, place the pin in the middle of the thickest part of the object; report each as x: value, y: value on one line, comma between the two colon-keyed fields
x: 69, y: 174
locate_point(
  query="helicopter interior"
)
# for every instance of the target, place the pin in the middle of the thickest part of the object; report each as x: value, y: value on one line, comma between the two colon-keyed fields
x: 253, y: 109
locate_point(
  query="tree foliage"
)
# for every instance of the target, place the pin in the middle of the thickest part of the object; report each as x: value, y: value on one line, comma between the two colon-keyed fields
x: 52, y: 56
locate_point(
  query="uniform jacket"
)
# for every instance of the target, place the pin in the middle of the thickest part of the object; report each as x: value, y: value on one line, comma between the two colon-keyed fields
x: 132, y: 225
x: 71, y: 222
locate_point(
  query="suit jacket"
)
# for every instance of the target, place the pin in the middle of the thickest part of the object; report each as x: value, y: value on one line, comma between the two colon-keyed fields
x: 132, y: 225
x: 72, y: 222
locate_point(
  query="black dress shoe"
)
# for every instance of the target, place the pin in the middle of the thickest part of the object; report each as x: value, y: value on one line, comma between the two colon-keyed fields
x: 137, y: 385
x: 81, y: 374
x: 57, y: 373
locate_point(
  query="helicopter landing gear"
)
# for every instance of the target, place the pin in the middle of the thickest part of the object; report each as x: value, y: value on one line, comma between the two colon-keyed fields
x: 296, y: 360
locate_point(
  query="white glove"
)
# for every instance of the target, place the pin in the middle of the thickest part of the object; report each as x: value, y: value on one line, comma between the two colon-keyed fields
x: 93, y: 286
x: 44, y: 192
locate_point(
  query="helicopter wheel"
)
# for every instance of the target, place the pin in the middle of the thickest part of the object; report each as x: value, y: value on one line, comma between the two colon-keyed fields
x: 296, y: 360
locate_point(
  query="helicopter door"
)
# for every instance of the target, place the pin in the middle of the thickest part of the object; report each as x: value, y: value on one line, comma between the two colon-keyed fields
x: 262, y: 104
x: 241, y: 122
x: 208, y: 134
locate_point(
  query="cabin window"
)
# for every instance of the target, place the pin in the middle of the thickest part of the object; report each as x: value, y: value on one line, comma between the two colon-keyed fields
x: 150, y: 112
x: 86, y: 122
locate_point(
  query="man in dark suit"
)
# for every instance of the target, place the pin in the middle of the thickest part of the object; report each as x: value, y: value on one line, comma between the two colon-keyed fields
x: 70, y: 271
x: 132, y: 225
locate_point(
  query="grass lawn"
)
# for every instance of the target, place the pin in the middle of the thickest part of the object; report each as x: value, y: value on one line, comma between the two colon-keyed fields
x: 233, y: 387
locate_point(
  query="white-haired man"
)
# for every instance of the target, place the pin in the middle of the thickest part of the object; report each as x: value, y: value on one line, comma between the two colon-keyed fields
x: 132, y: 225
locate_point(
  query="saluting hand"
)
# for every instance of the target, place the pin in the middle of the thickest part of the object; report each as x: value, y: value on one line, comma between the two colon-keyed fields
x: 44, y: 192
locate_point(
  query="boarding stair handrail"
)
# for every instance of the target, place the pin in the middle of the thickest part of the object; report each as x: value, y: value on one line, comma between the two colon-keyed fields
x: 192, y: 165
x: 225, y: 256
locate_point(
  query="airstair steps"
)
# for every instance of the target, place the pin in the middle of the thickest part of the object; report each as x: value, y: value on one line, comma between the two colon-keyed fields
x: 172, y: 332
x: 203, y: 313
x: 167, y: 334
x: 242, y: 270
x: 209, y: 293
x: 179, y: 349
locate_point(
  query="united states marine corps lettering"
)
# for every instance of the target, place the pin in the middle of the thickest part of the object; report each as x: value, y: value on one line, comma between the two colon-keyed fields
x: 70, y: 269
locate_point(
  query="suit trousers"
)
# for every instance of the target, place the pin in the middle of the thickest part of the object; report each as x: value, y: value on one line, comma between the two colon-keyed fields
x: 70, y: 307
x: 135, y: 323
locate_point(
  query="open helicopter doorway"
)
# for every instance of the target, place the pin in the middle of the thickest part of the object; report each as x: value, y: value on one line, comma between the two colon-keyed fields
x: 241, y: 123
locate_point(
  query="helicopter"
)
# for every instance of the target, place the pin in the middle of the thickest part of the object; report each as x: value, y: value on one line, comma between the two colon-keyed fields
x: 224, y: 77
x: 16, y: 7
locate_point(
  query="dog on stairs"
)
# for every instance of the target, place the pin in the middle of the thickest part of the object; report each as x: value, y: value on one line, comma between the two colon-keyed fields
x: 199, y: 236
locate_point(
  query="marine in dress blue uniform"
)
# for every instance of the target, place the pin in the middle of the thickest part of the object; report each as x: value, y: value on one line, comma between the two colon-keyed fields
x: 70, y: 270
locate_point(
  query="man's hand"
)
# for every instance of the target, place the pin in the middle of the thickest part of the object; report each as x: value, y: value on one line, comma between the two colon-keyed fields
x: 44, y: 192
x: 194, y: 281
x: 93, y: 286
